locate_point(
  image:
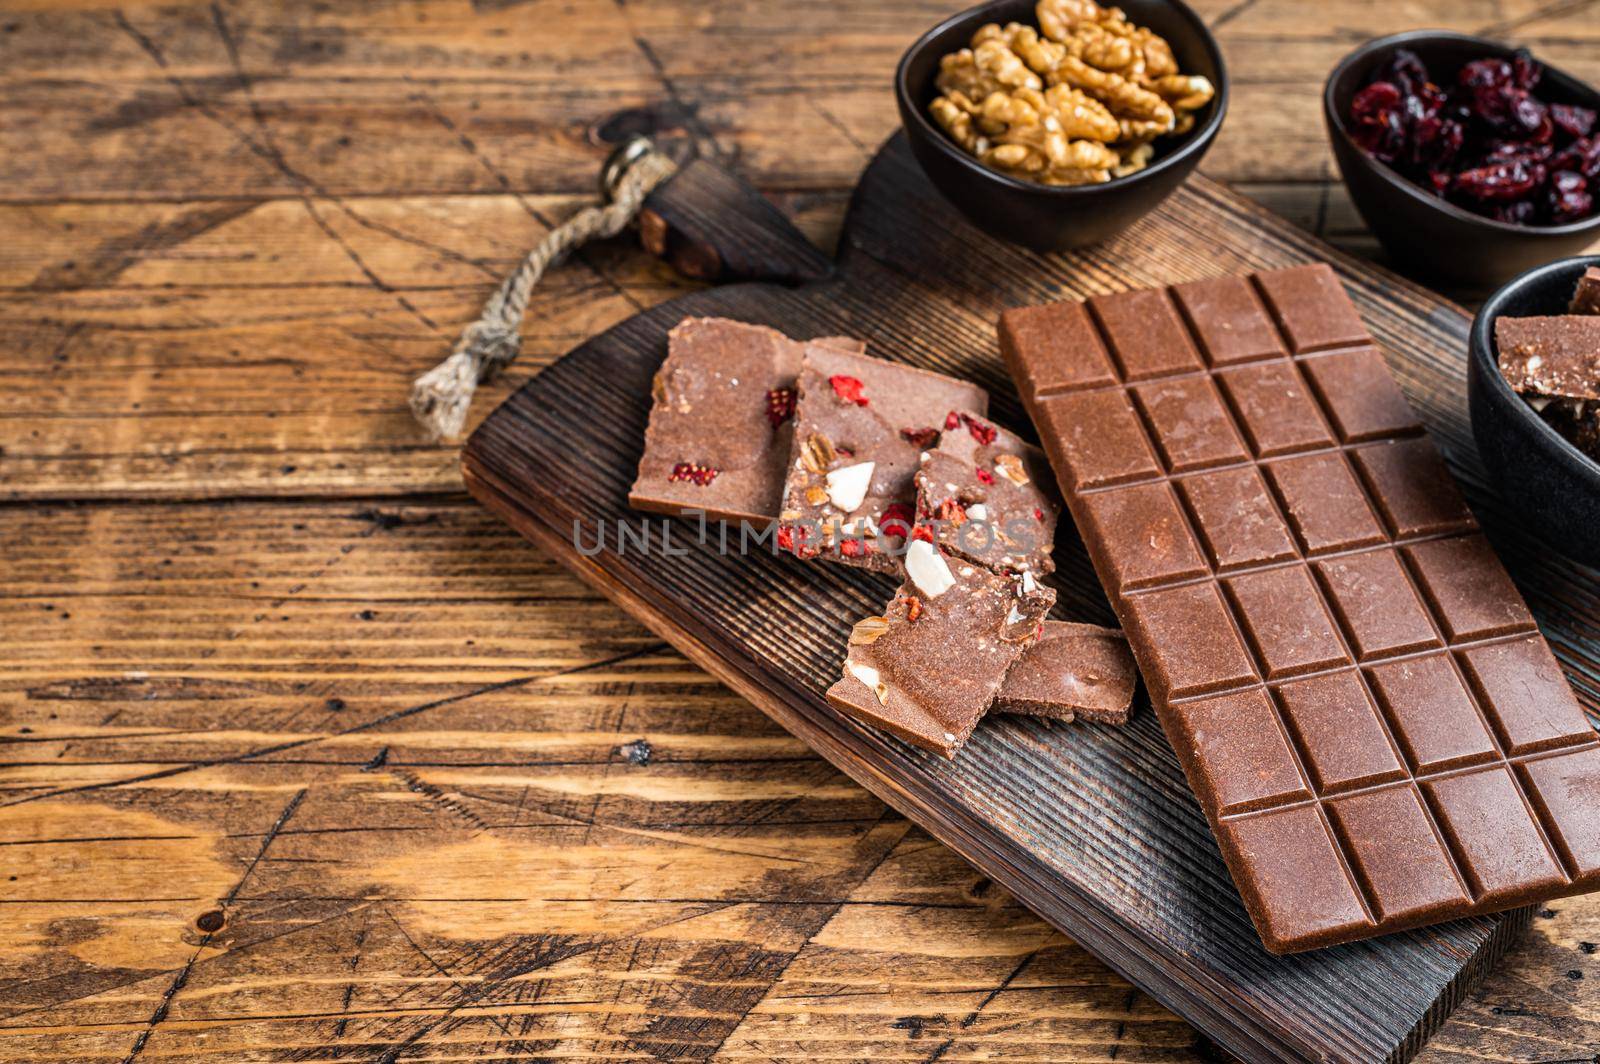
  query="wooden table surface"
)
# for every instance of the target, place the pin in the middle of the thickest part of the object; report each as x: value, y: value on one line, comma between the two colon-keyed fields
x: 303, y: 755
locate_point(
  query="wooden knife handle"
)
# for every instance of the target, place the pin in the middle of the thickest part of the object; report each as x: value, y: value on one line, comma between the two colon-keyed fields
x: 709, y: 225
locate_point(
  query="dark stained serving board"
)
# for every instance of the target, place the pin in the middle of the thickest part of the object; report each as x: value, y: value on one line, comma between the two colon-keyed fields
x: 1092, y: 827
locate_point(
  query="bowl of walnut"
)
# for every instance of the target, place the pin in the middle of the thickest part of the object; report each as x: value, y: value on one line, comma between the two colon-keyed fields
x: 1057, y: 123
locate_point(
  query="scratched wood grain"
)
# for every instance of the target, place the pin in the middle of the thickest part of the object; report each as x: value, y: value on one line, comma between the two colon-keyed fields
x: 231, y: 572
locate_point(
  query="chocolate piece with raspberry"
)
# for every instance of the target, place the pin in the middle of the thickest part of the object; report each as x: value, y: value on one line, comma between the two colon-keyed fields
x: 860, y: 424
x: 721, y: 426
x: 1072, y: 670
x: 988, y: 497
x: 929, y: 668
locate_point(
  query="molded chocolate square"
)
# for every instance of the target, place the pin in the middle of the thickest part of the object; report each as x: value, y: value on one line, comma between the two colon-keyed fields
x: 1275, y: 409
x: 1094, y: 438
x: 1312, y: 308
x: 1236, y: 518
x: 1281, y: 611
x: 1327, y: 508
x: 1470, y: 592
x: 1360, y: 395
x: 1292, y: 878
x: 1397, y: 855
x: 1236, y: 752
x: 1190, y: 641
x: 1341, y: 738
x: 1053, y: 348
x: 1430, y: 713
x: 1147, y: 336
x: 1140, y: 536
x: 1564, y: 789
x: 1506, y: 862
x: 1376, y: 605
x: 1227, y: 316
x: 1526, y: 696
x: 1412, y: 488
x: 1190, y: 426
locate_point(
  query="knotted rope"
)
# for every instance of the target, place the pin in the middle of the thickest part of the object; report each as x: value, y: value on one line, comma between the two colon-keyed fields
x: 441, y: 396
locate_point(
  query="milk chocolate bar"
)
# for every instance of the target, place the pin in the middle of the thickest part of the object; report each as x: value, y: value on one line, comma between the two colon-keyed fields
x: 1070, y: 671
x: 861, y: 425
x: 929, y: 668
x: 1357, y: 692
x: 719, y: 434
x: 988, y: 497
x: 1552, y: 356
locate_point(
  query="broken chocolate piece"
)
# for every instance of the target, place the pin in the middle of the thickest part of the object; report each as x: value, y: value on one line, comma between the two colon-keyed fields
x: 933, y: 668
x: 1071, y: 670
x: 1368, y: 720
x: 719, y: 432
x: 1586, y: 300
x: 858, y: 421
x: 986, y: 496
x: 1554, y: 356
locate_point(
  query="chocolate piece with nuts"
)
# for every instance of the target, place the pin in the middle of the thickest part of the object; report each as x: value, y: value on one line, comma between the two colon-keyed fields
x: 861, y: 425
x: 1072, y: 670
x: 1553, y: 356
x: 720, y: 429
x: 986, y: 496
x: 928, y: 669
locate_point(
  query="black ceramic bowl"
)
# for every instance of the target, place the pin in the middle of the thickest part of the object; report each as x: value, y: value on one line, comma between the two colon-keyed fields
x: 1420, y: 231
x: 1044, y: 217
x: 1556, y: 485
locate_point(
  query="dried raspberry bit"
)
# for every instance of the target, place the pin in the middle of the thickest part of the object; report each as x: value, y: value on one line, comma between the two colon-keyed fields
x: 952, y: 419
x: 981, y: 432
x: 923, y: 438
x: 913, y: 608
x: 984, y: 476
x: 896, y: 521
x: 922, y: 532
x: 1038, y: 515
x: 855, y: 548
x: 793, y: 541
x: 780, y: 405
x: 694, y: 473
x: 848, y: 388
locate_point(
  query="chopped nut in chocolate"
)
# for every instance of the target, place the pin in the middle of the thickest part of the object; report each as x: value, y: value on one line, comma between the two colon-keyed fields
x: 1554, y: 364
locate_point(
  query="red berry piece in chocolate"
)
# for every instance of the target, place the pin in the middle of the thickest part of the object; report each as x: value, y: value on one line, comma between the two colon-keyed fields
x: 848, y: 388
x: 983, y: 475
x: 923, y: 438
x: 896, y: 520
x: 951, y: 420
x: 694, y: 473
x: 981, y: 432
x: 780, y: 405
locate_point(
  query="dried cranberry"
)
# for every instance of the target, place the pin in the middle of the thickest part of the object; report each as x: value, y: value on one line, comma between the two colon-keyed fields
x: 1581, y: 156
x: 1378, y: 125
x: 848, y: 388
x: 1404, y: 69
x: 1521, y: 212
x: 1569, y: 198
x: 1572, y: 120
x: 1500, y: 182
x: 1525, y: 69
x: 1480, y: 72
x: 923, y: 438
x: 780, y: 405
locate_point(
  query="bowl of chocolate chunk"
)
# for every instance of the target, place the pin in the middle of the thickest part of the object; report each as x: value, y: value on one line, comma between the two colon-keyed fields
x: 1470, y: 160
x: 1534, y: 387
x: 1055, y: 124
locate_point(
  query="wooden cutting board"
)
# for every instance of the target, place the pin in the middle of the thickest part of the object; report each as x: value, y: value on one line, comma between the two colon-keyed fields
x: 1093, y: 828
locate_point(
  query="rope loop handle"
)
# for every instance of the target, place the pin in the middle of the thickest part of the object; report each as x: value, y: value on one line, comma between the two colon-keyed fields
x: 440, y: 397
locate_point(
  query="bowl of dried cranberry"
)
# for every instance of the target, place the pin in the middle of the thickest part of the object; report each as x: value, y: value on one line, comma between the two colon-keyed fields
x: 1470, y: 160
